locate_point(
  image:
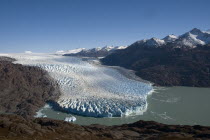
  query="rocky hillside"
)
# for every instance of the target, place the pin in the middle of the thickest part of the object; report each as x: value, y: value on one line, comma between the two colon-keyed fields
x: 24, y: 89
x: 15, y: 127
x: 173, y: 61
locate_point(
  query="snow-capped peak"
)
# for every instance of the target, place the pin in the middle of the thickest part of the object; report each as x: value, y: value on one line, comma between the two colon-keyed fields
x: 120, y: 47
x: 95, y: 49
x: 111, y: 48
x: 194, y: 37
x: 108, y: 48
x: 155, y: 42
x: 170, y: 38
x: 190, y: 40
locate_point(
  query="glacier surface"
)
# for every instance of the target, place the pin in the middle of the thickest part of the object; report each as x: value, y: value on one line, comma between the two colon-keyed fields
x: 91, y: 90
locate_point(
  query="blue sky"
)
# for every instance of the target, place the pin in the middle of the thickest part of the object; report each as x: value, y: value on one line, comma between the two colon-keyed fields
x: 51, y: 25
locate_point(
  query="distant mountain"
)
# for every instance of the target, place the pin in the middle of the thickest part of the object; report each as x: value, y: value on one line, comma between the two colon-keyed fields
x: 153, y: 42
x: 172, y: 61
x: 193, y: 38
x: 188, y: 40
x: 208, y: 31
x: 70, y: 51
x: 94, y: 52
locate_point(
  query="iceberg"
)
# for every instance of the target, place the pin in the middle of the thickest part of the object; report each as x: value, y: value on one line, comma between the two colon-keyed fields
x: 70, y: 119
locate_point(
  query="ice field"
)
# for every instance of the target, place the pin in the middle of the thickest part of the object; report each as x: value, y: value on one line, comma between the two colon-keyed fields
x: 88, y: 89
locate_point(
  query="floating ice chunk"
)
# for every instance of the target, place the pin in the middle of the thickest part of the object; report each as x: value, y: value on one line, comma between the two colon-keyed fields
x: 39, y: 114
x: 70, y: 119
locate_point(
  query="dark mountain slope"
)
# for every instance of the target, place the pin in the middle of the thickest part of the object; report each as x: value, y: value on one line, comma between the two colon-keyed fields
x: 24, y: 89
x: 15, y: 127
x: 166, y: 65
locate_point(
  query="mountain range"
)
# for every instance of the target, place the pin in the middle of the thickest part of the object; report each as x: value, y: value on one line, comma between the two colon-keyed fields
x: 188, y: 40
x: 172, y: 61
x: 94, y: 52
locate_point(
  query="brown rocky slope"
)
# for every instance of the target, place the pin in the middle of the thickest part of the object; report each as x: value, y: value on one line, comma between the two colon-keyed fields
x: 24, y: 89
x: 18, y: 128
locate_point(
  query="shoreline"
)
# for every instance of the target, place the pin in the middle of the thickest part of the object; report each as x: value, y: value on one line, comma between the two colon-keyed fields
x: 165, y: 106
x: 15, y: 127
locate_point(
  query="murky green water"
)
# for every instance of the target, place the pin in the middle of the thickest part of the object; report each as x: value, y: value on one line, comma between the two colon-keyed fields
x: 174, y: 105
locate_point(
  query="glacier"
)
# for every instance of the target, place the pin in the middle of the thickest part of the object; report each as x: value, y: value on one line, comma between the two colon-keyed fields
x: 88, y: 89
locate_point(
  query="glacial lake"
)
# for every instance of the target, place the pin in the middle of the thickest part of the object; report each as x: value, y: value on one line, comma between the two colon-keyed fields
x: 169, y: 105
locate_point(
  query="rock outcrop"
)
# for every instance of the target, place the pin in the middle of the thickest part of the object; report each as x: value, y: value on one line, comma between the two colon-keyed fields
x: 24, y: 89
